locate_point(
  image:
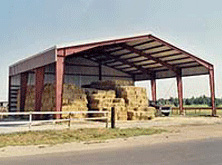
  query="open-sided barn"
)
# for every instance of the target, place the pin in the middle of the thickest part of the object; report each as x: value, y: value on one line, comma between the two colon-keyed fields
x: 136, y: 58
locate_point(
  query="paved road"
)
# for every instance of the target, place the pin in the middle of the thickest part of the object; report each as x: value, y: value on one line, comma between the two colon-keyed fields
x: 202, y: 152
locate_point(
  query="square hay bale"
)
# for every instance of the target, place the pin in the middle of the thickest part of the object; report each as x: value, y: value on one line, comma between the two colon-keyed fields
x: 140, y: 115
x: 72, y: 95
x: 111, y: 84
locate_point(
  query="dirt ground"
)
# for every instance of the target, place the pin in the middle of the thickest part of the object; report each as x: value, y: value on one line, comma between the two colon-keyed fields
x: 179, y: 129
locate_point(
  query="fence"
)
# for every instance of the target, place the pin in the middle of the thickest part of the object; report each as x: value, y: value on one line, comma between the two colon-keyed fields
x: 196, y: 111
x: 30, y: 120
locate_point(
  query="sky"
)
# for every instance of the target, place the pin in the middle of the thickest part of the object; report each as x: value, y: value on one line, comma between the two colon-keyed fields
x: 28, y: 27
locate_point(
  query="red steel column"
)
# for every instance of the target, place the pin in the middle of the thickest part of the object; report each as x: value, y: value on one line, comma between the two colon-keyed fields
x: 153, y: 89
x: 23, y: 91
x: 39, y: 87
x: 180, y: 92
x: 59, y: 82
x: 212, y: 89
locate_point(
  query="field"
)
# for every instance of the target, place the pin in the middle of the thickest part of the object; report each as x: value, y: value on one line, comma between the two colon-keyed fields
x: 196, y: 111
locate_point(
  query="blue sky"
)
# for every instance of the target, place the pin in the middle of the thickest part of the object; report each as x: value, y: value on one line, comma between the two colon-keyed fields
x: 28, y: 27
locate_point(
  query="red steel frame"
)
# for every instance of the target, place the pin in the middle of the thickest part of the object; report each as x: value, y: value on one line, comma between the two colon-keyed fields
x: 75, y: 49
x: 66, y: 51
x: 212, y: 89
x: 180, y: 92
x: 39, y: 88
x: 60, y: 69
x: 153, y: 89
x: 24, y: 82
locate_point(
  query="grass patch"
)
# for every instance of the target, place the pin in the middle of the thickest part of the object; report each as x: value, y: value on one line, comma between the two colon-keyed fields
x: 65, y: 136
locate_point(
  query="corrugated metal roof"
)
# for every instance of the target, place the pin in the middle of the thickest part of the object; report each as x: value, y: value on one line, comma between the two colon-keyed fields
x: 141, y: 57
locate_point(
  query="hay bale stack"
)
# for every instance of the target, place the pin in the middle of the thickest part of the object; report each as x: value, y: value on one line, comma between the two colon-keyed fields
x: 135, y: 97
x: 3, y: 109
x: 110, y: 84
x: 48, y: 98
x: 136, y: 102
x: 120, y: 107
x: 30, y: 99
x: 100, y: 99
x: 141, y: 114
x: 74, y: 99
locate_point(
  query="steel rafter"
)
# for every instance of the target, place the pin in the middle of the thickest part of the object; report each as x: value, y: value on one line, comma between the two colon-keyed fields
x: 128, y: 63
x: 200, y: 61
x: 109, y: 66
x: 148, y: 55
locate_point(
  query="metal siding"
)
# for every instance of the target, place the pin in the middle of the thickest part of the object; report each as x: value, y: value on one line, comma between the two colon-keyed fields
x: 165, y: 74
x: 50, y: 68
x: 112, y: 72
x: 194, y: 71
x: 79, y: 80
x: 81, y: 70
x: 33, y: 62
x: 117, y: 78
x: 80, y: 61
x: 142, y: 77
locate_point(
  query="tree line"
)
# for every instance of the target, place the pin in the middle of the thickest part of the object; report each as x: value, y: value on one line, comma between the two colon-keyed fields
x: 202, y: 100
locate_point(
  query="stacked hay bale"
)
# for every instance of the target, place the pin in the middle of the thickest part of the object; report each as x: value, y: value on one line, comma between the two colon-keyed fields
x: 117, y: 103
x: 136, y: 102
x: 110, y: 84
x: 3, y: 109
x: 130, y: 102
x: 100, y: 100
x: 120, y: 107
x: 30, y: 99
x: 48, y: 98
x: 104, y: 100
x: 74, y: 99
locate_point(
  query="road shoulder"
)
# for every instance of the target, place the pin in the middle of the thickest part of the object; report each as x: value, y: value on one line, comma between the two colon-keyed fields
x: 179, y: 133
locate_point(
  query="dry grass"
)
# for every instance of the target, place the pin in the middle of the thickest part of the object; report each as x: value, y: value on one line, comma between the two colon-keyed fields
x: 65, y: 136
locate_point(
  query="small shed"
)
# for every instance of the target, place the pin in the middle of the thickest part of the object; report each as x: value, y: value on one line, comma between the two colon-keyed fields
x: 135, y: 58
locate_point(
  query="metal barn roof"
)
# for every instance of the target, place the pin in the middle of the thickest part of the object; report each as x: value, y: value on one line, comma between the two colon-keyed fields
x: 141, y: 57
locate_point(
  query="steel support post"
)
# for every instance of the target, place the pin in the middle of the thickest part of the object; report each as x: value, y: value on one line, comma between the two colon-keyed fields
x: 180, y: 93
x: 59, y: 82
x: 24, y: 81
x: 39, y: 88
x: 153, y: 89
x: 212, y: 89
